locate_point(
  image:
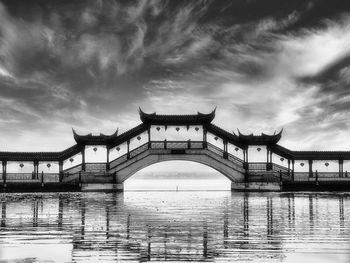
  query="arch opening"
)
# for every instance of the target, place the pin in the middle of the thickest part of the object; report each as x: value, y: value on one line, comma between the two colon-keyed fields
x: 177, y: 176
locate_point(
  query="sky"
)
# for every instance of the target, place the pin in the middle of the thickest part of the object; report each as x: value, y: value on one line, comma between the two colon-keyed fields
x: 265, y: 64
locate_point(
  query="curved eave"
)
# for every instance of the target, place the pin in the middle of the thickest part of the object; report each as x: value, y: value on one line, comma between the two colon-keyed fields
x: 90, y: 139
x: 195, y: 119
x: 262, y: 139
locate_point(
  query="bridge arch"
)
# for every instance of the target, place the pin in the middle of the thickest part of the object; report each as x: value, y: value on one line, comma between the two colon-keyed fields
x: 125, y: 171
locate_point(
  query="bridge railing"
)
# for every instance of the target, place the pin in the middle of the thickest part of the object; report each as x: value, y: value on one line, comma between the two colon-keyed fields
x: 221, y: 152
x: 134, y: 152
x: 73, y: 169
x: 320, y: 176
x: 95, y: 167
x: 257, y: 167
x: 173, y: 145
x: 157, y: 145
x: 72, y: 174
x: 31, y: 177
x: 176, y: 144
x: 22, y: 177
x: 277, y: 172
x: 138, y: 150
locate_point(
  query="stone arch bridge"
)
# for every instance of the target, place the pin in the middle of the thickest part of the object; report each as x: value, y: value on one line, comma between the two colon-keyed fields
x: 255, y: 162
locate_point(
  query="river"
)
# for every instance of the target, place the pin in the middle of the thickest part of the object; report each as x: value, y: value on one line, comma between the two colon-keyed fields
x: 197, y: 226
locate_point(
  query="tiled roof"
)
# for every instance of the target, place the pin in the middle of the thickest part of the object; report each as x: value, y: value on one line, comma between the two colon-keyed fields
x: 195, y: 119
x: 90, y: 139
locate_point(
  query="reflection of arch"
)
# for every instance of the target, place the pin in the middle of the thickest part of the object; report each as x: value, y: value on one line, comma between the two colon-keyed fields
x: 231, y: 171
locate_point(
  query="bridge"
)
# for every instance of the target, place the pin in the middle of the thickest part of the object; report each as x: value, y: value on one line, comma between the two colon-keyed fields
x: 250, y: 162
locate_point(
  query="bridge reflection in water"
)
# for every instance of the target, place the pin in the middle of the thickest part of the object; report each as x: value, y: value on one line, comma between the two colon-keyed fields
x: 196, y: 226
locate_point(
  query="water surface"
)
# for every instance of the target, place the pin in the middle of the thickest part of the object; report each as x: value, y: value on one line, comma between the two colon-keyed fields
x: 215, y: 226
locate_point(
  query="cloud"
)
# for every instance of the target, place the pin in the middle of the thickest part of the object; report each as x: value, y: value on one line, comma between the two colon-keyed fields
x: 91, y: 64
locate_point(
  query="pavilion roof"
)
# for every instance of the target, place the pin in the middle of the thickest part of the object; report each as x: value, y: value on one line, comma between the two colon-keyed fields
x: 263, y: 139
x: 194, y: 119
x: 90, y: 139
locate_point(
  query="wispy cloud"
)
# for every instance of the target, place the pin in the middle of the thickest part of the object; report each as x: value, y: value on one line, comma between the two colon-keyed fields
x: 266, y: 65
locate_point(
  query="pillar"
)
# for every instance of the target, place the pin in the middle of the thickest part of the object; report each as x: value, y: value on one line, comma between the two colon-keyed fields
x: 270, y: 156
x: 225, y: 150
x: 42, y: 178
x: 245, y: 164
x: 310, y: 168
x: 293, y: 161
x: 60, y: 171
x: 128, y: 149
x: 4, y: 165
x: 288, y: 167
x: 204, y: 137
x: 267, y: 155
x: 341, y: 165
x: 36, y: 169
x: 83, y: 158
x: 107, y: 162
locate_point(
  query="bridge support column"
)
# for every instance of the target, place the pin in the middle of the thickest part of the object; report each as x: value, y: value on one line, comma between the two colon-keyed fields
x: 293, y: 170
x: 4, y: 166
x: 341, y: 165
